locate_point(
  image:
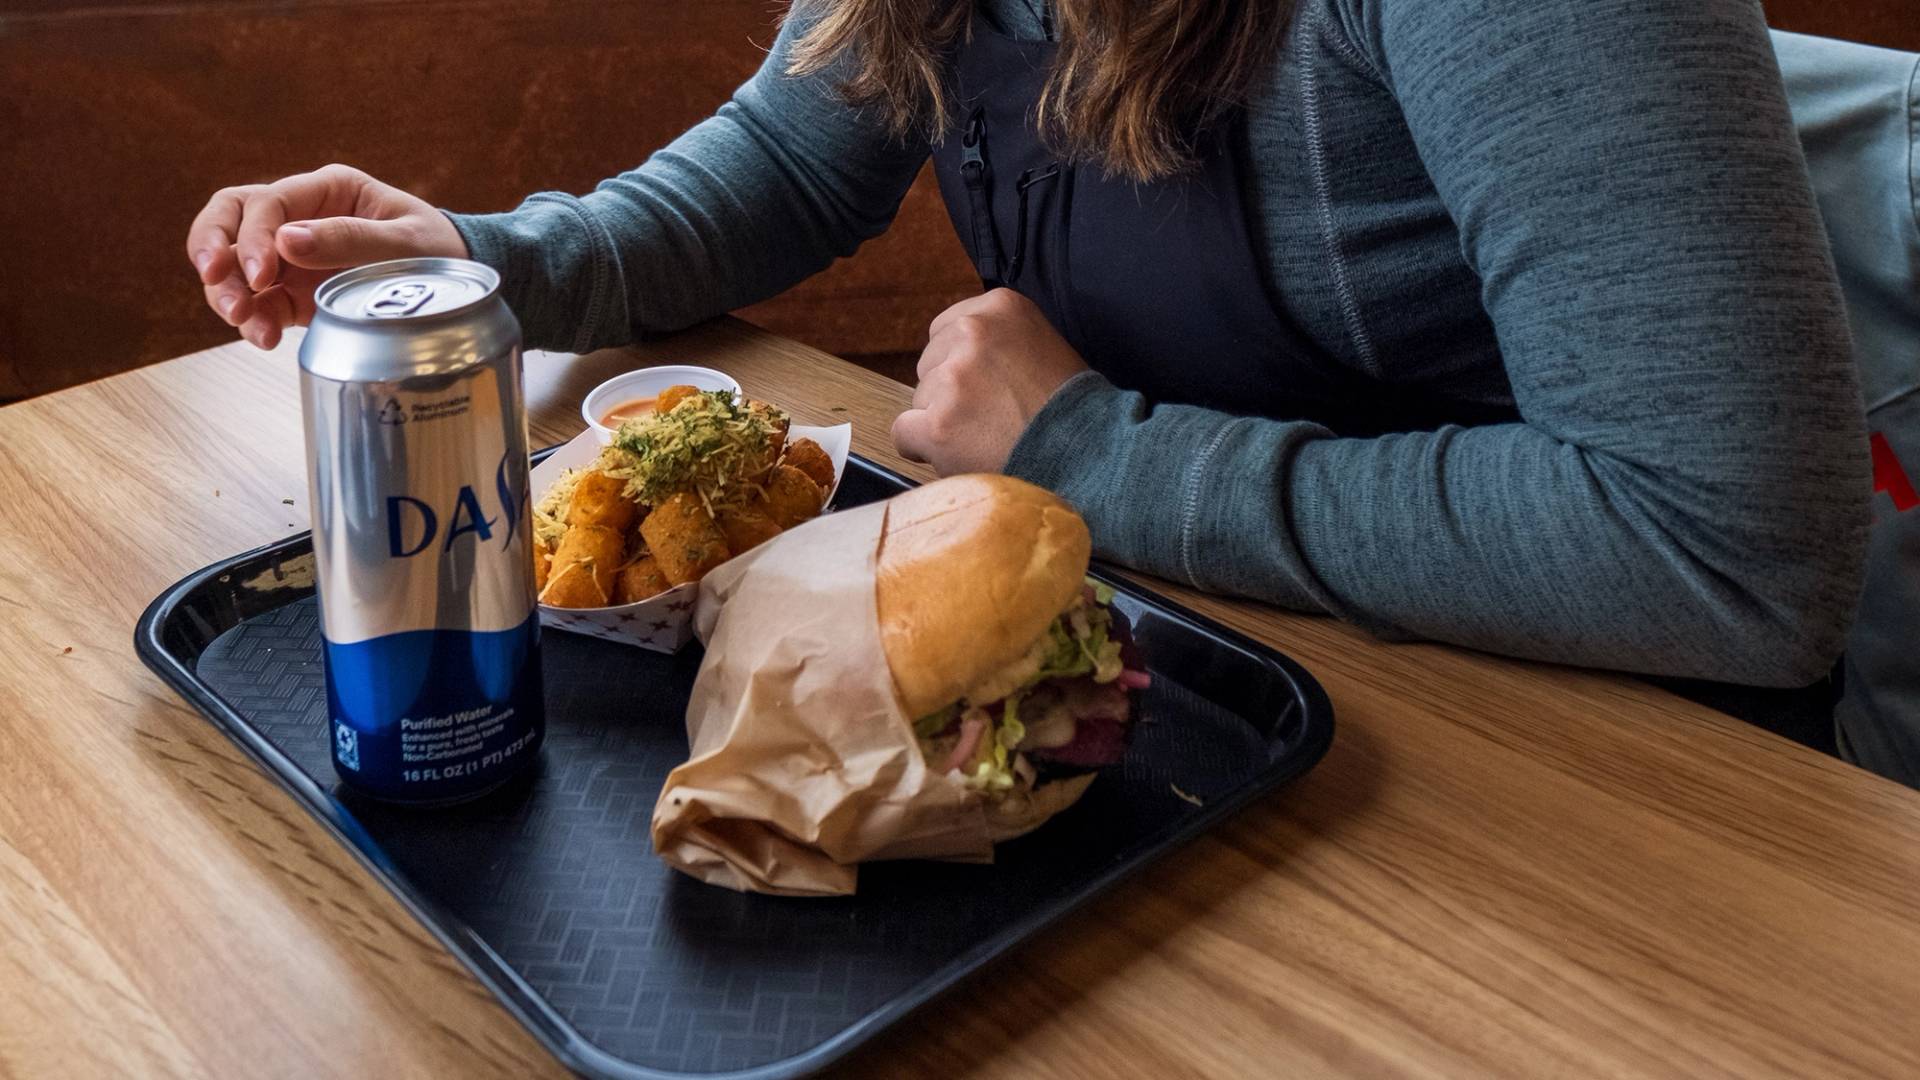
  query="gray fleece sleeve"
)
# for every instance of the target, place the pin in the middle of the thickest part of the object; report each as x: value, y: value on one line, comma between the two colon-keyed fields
x: 1687, y: 492
x: 782, y: 180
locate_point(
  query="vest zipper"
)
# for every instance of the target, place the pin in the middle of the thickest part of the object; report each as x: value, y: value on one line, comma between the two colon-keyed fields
x: 977, y: 175
x: 1028, y: 179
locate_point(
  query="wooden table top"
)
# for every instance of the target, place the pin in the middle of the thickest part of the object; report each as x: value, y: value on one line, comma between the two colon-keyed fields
x: 1500, y: 869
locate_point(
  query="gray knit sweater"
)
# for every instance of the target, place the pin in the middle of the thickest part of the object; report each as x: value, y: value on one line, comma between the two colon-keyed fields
x: 1595, y: 210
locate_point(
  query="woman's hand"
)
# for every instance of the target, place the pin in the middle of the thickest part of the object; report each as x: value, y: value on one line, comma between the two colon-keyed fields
x: 262, y: 248
x: 990, y: 364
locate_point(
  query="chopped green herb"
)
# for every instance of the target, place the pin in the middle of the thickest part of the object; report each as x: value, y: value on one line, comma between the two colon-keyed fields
x: 710, y: 443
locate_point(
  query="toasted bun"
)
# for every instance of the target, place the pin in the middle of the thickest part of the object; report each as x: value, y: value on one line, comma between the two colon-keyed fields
x: 1019, y: 814
x: 972, y: 569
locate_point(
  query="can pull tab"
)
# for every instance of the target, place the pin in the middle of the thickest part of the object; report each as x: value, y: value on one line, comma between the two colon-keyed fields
x: 398, y: 300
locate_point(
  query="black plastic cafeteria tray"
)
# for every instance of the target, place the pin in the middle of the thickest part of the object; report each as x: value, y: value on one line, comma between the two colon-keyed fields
x: 549, y: 891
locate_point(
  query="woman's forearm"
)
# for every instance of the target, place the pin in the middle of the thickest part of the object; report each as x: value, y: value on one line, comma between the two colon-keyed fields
x: 781, y: 181
x: 1500, y: 538
x: 1688, y: 492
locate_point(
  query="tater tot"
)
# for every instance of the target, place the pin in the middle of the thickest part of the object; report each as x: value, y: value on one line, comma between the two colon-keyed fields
x: 599, y: 499
x: 671, y: 396
x: 793, y: 497
x: 683, y: 539
x: 781, y: 421
x: 747, y: 528
x: 639, y: 580
x: 542, y: 565
x: 807, y: 456
x: 584, y: 568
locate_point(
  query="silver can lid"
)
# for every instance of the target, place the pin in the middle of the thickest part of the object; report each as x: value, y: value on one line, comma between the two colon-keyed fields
x: 406, y: 290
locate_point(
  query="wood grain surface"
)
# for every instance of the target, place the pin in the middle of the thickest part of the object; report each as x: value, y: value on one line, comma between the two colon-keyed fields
x: 1500, y: 869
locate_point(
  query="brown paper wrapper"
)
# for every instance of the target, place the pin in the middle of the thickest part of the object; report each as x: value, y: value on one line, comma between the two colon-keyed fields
x: 803, y: 764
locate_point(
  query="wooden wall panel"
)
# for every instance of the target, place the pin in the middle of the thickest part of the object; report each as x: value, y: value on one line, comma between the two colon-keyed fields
x: 1892, y: 24
x: 116, y: 122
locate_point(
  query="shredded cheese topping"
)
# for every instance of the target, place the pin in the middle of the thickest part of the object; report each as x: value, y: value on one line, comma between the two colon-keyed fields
x: 550, y: 513
x: 709, y: 443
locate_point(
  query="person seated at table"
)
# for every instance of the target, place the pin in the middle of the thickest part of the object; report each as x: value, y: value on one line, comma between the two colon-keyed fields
x: 1505, y: 323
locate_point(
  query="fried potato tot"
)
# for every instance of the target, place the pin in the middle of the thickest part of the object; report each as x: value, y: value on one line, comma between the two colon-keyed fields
x: 639, y: 580
x: 671, y: 396
x: 747, y: 528
x: 781, y: 422
x: 683, y: 539
x: 542, y: 565
x: 599, y: 499
x: 793, y: 497
x: 810, y: 458
x: 584, y: 568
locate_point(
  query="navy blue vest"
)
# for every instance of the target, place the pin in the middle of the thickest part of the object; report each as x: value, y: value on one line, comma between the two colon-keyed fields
x: 1159, y: 286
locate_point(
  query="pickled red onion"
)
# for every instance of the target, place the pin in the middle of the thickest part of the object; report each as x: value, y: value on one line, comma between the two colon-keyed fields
x: 971, y: 726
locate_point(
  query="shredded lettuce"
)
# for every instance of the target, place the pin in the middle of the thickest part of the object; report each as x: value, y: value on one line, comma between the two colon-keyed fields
x: 1077, y: 643
x: 987, y: 770
x: 990, y: 775
x: 1011, y: 731
x: 936, y: 721
x: 1082, y: 646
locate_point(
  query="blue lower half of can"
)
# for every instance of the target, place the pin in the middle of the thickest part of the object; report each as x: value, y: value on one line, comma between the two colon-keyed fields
x: 430, y: 716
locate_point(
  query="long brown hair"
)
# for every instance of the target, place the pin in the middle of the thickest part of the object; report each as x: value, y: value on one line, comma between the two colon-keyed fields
x: 1131, y: 83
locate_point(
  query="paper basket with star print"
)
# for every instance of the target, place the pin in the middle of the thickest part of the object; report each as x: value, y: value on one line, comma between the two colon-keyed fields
x: 663, y: 623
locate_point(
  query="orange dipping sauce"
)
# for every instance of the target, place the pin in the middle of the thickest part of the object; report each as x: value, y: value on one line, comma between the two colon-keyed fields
x: 631, y: 410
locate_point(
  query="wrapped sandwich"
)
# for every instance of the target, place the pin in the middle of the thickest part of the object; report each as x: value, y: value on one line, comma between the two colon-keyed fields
x: 919, y: 678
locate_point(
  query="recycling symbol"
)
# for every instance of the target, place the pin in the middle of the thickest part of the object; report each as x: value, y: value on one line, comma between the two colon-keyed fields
x: 392, y: 413
x: 346, y: 746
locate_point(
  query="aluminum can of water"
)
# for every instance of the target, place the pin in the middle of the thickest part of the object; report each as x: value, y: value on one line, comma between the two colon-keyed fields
x: 417, y: 447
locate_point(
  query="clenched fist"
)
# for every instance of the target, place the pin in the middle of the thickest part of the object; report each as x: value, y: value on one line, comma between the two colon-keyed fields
x: 990, y: 364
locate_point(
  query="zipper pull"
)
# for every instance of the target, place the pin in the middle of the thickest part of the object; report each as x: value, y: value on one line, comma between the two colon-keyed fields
x: 973, y: 148
x: 976, y: 174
